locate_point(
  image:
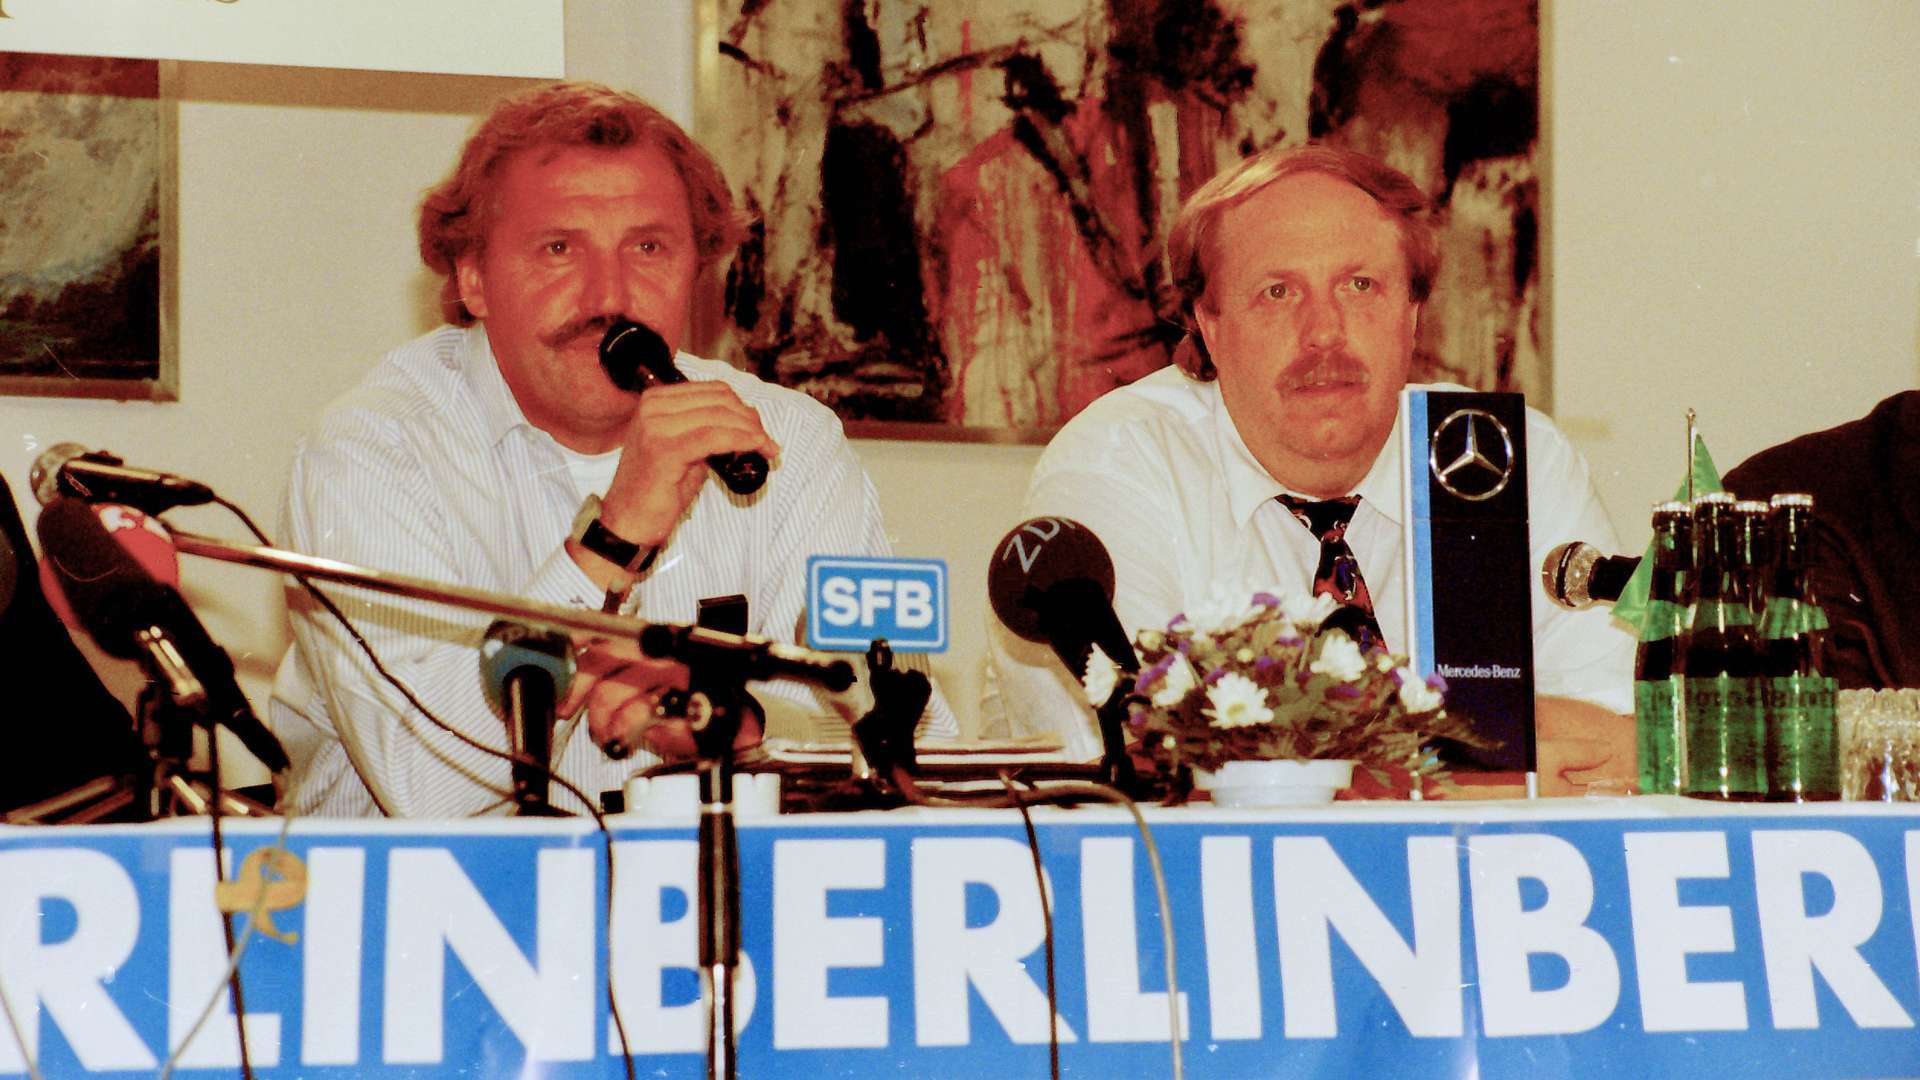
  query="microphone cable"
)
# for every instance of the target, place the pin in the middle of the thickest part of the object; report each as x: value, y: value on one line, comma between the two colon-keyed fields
x: 1046, y: 921
x: 1069, y: 793
x: 235, y: 949
x: 546, y: 768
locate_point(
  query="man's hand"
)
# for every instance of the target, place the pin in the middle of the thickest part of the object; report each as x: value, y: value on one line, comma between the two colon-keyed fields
x: 621, y: 689
x: 1583, y: 747
x: 1580, y: 748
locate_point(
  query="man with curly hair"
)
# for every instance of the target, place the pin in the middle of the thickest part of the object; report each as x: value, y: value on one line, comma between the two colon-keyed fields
x: 494, y: 452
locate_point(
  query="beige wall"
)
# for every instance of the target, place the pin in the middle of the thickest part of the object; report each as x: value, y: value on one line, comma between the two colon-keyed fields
x: 1734, y: 224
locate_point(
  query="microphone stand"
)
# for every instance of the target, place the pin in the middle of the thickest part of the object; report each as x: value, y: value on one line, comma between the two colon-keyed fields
x: 530, y: 718
x: 717, y: 700
x: 168, y: 708
x: 758, y: 657
x: 718, y: 666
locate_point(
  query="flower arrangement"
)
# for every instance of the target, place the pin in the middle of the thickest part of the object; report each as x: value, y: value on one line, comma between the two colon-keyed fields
x: 1267, y: 680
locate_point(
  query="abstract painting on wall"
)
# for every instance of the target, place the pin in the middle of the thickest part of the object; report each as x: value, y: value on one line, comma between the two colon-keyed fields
x: 86, y: 250
x: 962, y: 202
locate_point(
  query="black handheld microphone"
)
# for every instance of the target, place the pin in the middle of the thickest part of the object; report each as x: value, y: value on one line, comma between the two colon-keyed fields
x: 110, y: 570
x: 527, y: 673
x: 97, y: 476
x: 635, y: 358
x: 1577, y: 576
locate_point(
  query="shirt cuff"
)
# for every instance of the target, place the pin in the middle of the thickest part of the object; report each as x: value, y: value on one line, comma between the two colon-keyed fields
x: 560, y: 580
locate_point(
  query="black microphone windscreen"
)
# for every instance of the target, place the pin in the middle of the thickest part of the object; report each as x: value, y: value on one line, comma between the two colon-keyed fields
x: 1610, y: 576
x: 1034, y: 558
x: 634, y: 356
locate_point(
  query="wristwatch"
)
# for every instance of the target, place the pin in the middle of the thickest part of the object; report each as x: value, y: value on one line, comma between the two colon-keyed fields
x: 589, y: 533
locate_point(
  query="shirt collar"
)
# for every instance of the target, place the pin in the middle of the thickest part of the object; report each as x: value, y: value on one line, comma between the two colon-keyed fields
x: 1249, y: 485
x: 498, y: 408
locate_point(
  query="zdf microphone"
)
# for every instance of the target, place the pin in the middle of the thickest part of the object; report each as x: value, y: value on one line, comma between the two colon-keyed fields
x: 1051, y: 581
x: 97, y: 476
x: 635, y: 358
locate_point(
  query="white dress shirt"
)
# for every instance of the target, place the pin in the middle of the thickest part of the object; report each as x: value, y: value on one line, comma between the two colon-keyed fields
x: 1159, y: 472
x: 430, y: 469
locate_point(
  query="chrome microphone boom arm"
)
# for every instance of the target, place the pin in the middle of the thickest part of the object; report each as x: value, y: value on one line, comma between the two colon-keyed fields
x: 835, y: 673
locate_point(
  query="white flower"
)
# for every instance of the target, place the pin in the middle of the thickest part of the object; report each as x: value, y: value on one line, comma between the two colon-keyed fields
x: 1216, y: 613
x: 1152, y: 640
x: 1415, y: 695
x: 1179, y: 679
x: 1102, y: 675
x: 1340, y: 658
x: 1237, y: 702
x: 1307, y: 613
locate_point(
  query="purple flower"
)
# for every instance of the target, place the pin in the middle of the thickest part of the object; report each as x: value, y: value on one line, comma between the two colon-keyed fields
x: 1346, y: 691
x: 1153, y: 674
x: 1434, y: 680
x: 1214, y: 676
x: 1262, y: 663
x: 1266, y: 599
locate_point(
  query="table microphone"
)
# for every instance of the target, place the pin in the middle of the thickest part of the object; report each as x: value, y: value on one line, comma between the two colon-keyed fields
x: 527, y: 673
x: 97, y: 476
x: 1051, y: 582
x: 1576, y: 575
x: 635, y: 357
x: 111, y: 570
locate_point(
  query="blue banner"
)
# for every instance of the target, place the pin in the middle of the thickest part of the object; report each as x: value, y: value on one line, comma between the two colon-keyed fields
x: 1646, y: 937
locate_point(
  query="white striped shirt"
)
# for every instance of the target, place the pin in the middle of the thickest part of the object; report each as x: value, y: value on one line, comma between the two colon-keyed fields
x: 430, y: 469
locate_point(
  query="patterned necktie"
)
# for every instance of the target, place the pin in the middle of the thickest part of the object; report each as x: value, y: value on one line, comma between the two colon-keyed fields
x: 1338, y: 574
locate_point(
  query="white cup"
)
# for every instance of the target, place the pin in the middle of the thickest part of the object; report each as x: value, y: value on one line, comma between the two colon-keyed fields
x: 677, y: 795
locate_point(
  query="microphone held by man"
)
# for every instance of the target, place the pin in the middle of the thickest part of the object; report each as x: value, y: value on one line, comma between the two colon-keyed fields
x: 636, y: 358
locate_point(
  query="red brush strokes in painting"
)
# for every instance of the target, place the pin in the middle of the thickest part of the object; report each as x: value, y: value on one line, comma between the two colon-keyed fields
x: 997, y: 204
x: 104, y: 76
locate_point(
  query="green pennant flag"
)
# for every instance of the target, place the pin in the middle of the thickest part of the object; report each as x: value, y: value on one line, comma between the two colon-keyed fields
x: 1632, y: 605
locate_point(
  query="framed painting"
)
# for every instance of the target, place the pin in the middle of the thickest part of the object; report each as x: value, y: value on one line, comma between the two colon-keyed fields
x: 961, y: 204
x: 87, y: 236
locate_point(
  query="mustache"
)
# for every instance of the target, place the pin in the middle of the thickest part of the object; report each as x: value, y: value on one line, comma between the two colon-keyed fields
x: 575, y: 329
x: 1337, y: 365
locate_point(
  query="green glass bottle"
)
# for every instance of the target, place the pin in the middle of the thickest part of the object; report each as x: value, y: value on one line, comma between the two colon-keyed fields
x: 1725, y: 739
x: 1803, y: 762
x: 1659, y: 689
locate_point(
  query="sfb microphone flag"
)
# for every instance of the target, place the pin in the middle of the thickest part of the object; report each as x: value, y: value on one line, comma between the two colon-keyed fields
x: 851, y: 601
x: 1631, y: 607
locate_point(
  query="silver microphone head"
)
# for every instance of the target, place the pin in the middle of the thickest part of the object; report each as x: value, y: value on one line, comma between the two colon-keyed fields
x: 1567, y: 574
x: 44, y: 476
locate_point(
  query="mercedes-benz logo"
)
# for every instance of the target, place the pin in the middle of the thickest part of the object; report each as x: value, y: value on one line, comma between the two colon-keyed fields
x: 1485, y: 462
